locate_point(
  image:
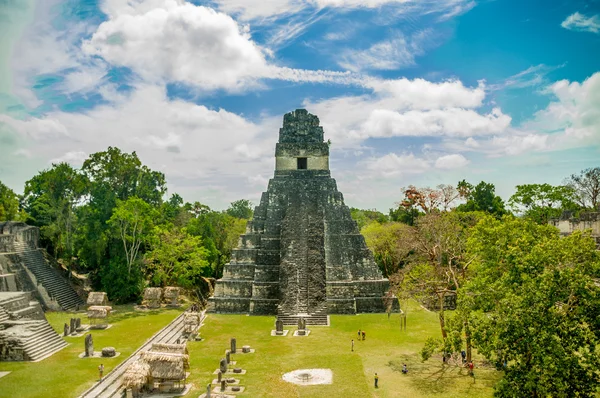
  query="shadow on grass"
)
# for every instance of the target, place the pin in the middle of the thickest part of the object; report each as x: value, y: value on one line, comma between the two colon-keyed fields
x: 429, y: 378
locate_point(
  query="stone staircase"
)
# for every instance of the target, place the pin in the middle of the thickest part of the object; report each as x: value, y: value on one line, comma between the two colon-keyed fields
x: 18, y: 305
x: 29, y: 340
x: 3, y: 315
x: 54, y: 283
x: 317, y: 317
x: 43, y: 342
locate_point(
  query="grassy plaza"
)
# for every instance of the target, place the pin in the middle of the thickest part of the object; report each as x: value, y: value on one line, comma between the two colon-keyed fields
x: 384, y: 350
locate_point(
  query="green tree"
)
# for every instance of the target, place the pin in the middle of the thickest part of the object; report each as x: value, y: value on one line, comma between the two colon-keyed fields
x: 9, y: 204
x: 365, y: 217
x: 389, y: 244
x: 240, y: 209
x: 534, y: 307
x: 481, y: 197
x: 112, y: 175
x: 439, y: 267
x: 176, y: 258
x: 541, y: 202
x: 132, y: 223
x: 586, y: 185
x: 219, y: 232
x: 50, y: 199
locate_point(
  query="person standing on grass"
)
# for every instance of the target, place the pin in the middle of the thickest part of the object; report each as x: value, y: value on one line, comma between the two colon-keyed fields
x: 471, y: 366
x: 363, y: 335
x: 101, y: 371
x: 352, y: 345
x: 376, y: 381
x: 359, y: 334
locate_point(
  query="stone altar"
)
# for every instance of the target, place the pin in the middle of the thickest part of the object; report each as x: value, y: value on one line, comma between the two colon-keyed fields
x: 302, y: 252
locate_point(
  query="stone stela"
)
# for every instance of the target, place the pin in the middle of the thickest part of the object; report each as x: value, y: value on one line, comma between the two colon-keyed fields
x: 302, y: 254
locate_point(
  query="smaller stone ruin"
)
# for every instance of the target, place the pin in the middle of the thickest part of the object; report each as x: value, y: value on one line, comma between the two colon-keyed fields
x: 97, y: 299
x: 152, y: 297
x: 191, y: 324
x: 171, y: 296
x: 98, y: 316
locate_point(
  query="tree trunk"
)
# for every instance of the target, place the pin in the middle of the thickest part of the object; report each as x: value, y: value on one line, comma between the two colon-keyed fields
x: 468, y: 339
x: 442, y: 319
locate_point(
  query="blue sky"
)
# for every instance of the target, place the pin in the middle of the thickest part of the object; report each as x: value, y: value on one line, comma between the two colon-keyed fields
x: 421, y: 92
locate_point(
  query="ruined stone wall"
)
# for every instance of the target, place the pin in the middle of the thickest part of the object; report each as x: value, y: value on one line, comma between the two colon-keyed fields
x: 586, y: 221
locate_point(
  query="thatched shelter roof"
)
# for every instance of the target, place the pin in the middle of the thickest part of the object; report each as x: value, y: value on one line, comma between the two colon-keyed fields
x: 153, y: 293
x: 136, y: 374
x: 98, y: 311
x: 171, y: 292
x: 166, y: 366
x: 170, y: 348
x: 97, y: 298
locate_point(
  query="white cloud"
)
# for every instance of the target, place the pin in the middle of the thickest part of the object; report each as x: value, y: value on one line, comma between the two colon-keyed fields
x: 582, y: 23
x: 423, y: 94
x: 393, y: 164
x: 268, y: 9
x: 405, y: 107
x: 438, y: 122
x: 190, y: 143
x: 196, y: 45
x: 530, y: 77
x: 454, y: 161
x: 394, y: 53
x: 471, y: 142
x: 573, y: 116
x: 75, y: 158
x: 180, y: 42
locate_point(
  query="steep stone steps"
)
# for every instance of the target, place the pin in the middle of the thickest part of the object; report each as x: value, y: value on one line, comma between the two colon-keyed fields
x: 313, y: 320
x: 3, y: 315
x: 54, y: 283
x: 43, y: 343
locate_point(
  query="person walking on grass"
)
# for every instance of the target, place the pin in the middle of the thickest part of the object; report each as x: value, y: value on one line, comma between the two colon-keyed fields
x: 471, y: 372
x: 101, y: 371
x: 363, y: 335
x: 359, y: 334
x: 376, y: 381
x: 352, y: 349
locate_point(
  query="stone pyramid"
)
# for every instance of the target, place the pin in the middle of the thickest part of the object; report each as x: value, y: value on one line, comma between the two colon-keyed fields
x: 302, y: 253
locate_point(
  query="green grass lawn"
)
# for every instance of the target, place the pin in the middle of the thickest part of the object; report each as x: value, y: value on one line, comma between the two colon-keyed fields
x: 385, y: 349
x: 66, y: 375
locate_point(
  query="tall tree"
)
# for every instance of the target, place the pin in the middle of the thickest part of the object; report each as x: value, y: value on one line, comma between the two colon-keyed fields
x: 586, y: 185
x: 481, y: 197
x: 541, y: 202
x: 390, y: 244
x: 439, y: 264
x: 366, y: 217
x: 219, y: 232
x: 113, y: 175
x: 176, y: 258
x: 50, y: 198
x: 534, y: 306
x: 9, y: 203
x: 240, y: 209
x: 132, y: 223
